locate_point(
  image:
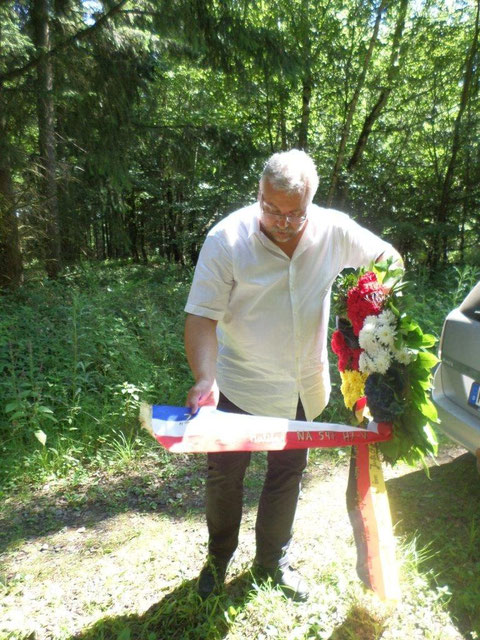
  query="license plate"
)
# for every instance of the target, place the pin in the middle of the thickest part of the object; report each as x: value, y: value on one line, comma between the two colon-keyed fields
x: 474, y: 397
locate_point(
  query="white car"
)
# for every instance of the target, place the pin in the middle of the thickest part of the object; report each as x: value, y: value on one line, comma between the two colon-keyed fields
x: 456, y: 384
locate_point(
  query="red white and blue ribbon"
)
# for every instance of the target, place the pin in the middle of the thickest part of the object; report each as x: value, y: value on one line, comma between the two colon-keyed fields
x: 213, y: 430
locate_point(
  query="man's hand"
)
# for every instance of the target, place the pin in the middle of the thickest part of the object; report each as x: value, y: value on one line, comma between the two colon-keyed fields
x: 201, y: 350
x: 203, y: 393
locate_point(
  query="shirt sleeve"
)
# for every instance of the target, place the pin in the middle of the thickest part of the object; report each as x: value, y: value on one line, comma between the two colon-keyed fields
x: 361, y: 246
x: 212, y: 281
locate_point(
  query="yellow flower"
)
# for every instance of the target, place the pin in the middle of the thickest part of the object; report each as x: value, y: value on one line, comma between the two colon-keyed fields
x: 353, y: 386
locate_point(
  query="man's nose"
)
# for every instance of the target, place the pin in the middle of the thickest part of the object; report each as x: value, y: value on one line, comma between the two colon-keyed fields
x: 283, y: 222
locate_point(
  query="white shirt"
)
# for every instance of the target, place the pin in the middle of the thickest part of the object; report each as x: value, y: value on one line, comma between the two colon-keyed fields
x: 273, y: 311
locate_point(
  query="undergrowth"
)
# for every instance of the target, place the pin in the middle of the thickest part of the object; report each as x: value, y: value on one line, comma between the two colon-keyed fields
x: 77, y: 355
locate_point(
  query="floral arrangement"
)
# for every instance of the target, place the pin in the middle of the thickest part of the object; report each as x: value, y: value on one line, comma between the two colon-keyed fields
x: 384, y: 362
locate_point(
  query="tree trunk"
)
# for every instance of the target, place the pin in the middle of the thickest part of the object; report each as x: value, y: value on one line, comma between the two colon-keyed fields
x: 141, y: 237
x: 131, y: 221
x: 372, y: 117
x: 283, y: 125
x: 352, y: 106
x: 10, y: 255
x: 438, y: 248
x: 307, y: 85
x: 268, y: 108
x: 46, y: 138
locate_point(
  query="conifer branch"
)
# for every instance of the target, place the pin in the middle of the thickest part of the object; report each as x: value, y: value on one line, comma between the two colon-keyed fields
x: 80, y: 35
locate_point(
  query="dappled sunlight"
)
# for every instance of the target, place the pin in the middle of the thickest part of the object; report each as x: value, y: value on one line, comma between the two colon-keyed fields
x: 134, y: 568
x: 173, y: 489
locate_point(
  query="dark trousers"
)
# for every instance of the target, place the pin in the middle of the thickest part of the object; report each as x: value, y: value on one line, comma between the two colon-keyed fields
x: 277, y: 505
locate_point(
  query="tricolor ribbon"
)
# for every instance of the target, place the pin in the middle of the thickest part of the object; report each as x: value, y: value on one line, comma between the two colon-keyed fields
x: 211, y: 430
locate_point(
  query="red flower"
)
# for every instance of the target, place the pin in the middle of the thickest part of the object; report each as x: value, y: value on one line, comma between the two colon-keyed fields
x: 355, y: 357
x: 347, y: 357
x: 366, y: 299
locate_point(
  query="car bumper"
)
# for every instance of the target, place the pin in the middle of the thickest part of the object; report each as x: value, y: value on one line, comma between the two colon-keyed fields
x: 455, y: 422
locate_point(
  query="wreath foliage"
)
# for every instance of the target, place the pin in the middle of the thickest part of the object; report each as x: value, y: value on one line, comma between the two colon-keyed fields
x: 384, y: 360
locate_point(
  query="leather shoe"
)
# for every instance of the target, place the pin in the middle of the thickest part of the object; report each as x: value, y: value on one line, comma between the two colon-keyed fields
x: 290, y: 581
x: 211, y: 577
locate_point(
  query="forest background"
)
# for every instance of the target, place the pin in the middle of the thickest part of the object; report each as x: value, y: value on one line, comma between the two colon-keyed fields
x: 127, y: 129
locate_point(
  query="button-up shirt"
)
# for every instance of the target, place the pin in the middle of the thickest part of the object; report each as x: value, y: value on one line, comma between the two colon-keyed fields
x: 272, y: 310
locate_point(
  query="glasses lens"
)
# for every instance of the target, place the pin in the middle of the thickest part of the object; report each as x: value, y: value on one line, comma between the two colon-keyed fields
x: 294, y: 219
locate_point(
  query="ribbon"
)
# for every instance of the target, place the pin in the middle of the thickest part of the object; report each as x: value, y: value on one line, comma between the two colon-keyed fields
x: 210, y: 430
x: 213, y: 430
x: 369, y: 513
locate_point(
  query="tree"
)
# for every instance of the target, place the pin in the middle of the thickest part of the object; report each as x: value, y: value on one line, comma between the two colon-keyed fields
x: 439, y: 241
x: 46, y: 137
x: 352, y: 105
x: 381, y: 101
x: 11, y: 268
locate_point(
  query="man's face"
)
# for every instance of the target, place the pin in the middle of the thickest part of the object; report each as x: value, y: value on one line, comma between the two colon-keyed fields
x: 283, y: 215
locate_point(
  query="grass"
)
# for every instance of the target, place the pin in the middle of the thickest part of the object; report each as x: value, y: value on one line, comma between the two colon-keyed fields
x: 118, y: 558
x: 102, y: 533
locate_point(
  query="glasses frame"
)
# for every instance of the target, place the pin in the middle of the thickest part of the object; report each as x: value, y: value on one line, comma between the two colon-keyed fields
x: 293, y: 219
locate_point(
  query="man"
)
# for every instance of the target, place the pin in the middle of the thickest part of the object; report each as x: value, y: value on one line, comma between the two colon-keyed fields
x: 257, y: 325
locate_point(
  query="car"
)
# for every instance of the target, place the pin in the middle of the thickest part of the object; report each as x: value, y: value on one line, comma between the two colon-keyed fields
x: 456, y: 383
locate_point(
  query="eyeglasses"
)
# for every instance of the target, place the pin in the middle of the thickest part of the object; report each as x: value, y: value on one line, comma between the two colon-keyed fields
x: 272, y: 212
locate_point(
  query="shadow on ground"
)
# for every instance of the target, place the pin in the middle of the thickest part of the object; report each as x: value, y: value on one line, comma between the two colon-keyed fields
x: 174, y: 490
x: 180, y: 615
x: 442, y: 514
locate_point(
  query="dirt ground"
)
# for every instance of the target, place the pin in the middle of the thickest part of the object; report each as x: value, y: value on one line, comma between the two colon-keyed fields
x: 121, y: 542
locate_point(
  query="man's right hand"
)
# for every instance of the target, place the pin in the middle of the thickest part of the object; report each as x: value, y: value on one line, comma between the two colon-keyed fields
x: 201, y: 350
x: 203, y: 393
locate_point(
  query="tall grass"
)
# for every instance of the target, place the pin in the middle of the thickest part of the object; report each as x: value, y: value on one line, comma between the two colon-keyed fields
x: 77, y: 355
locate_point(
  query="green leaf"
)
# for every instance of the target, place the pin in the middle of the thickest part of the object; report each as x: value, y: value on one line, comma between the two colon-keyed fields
x: 11, y: 406
x: 429, y: 411
x: 41, y: 436
x: 43, y: 409
x: 427, y: 359
x: 428, y: 340
x: 431, y: 437
x: 425, y: 384
x: 418, y: 394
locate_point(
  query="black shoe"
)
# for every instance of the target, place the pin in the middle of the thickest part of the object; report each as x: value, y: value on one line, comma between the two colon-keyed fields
x: 290, y: 582
x: 211, y: 577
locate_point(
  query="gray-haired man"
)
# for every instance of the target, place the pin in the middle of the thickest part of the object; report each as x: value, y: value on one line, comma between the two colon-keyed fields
x: 256, y: 326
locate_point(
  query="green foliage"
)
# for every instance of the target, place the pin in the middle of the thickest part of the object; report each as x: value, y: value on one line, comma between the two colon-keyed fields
x: 165, y: 115
x: 77, y: 356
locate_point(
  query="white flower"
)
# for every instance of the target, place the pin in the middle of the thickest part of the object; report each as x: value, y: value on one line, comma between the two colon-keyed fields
x: 385, y: 334
x: 387, y: 317
x: 404, y: 356
x: 366, y: 340
x: 365, y: 363
x: 382, y: 361
x: 370, y: 323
